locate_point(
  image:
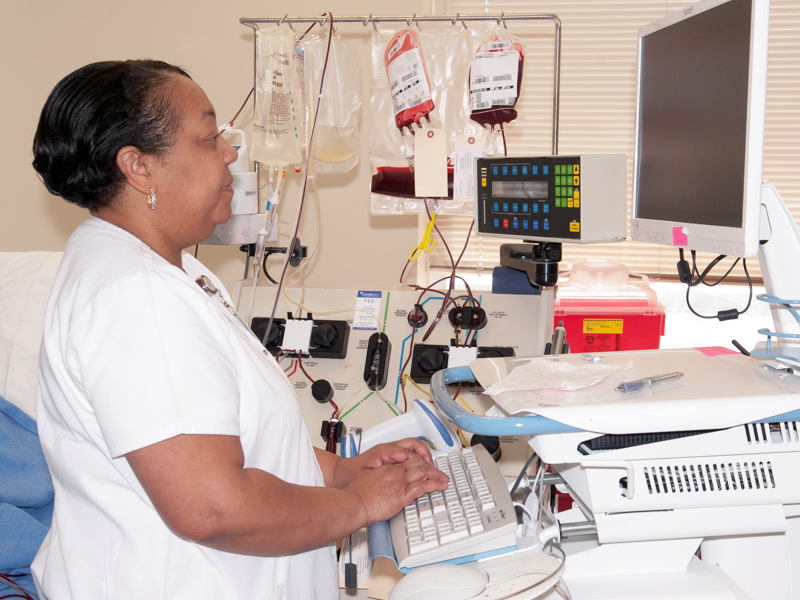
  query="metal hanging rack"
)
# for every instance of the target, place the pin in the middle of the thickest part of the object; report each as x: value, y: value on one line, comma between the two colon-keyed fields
x: 501, y: 19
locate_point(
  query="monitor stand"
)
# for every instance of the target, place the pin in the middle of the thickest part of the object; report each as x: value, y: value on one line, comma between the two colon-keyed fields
x: 779, y: 258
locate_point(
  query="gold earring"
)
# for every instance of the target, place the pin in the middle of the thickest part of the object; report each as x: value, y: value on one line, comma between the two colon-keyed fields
x: 151, y: 199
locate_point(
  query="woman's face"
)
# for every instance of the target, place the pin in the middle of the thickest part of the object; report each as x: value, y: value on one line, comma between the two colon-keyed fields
x: 193, y: 183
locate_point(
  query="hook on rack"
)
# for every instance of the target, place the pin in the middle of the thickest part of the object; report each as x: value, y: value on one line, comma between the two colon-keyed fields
x: 413, y: 21
x: 374, y: 23
x: 463, y: 22
x: 501, y: 20
x: 289, y: 23
x: 328, y: 17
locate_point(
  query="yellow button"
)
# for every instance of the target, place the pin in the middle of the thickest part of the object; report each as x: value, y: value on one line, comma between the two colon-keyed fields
x: 483, y: 182
x: 577, y: 203
x: 577, y: 194
x: 574, y: 227
x: 576, y: 169
x: 569, y: 202
x: 576, y: 180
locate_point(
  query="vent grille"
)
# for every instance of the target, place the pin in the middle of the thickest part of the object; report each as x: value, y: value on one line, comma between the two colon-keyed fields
x: 683, y: 479
x: 784, y: 432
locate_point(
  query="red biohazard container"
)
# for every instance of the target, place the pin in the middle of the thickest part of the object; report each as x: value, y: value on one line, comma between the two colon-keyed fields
x: 606, y: 308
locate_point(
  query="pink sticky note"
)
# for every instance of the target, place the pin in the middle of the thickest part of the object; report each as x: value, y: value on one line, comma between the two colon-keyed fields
x: 716, y: 350
x: 679, y: 237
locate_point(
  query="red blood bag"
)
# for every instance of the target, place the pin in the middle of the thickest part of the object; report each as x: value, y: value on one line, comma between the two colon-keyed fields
x: 408, y: 79
x: 495, y: 80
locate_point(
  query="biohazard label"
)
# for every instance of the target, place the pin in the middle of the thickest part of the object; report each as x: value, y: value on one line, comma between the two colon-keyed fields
x: 600, y: 326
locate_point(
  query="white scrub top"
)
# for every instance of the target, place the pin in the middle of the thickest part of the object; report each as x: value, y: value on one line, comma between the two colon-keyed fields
x: 135, y: 352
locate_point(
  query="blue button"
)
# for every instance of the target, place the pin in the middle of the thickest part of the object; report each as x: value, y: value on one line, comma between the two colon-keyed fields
x: 546, y: 225
x: 536, y: 208
x: 515, y: 207
x: 525, y: 208
x: 546, y: 208
x: 494, y: 170
x: 524, y: 169
x: 497, y: 222
x: 496, y: 207
x: 524, y: 223
x: 545, y: 170
x: 505, y: 169
x: 536, y: 225
x: 514, y: 170
x: 535, y: 170
x: 505, y: 206
x: 515, y: 224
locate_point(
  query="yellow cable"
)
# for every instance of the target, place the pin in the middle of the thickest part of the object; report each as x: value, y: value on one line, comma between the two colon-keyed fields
x: 407, y: 377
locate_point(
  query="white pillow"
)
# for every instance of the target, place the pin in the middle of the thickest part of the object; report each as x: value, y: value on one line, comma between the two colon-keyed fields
x: 25, y: 282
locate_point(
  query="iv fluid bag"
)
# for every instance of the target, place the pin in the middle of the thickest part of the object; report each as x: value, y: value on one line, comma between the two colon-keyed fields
x: 495, y: 80
x: 335, y: 144
x: 279, y: 108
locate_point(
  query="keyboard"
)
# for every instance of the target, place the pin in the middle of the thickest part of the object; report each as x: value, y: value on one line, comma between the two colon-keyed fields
x: 474, y: 515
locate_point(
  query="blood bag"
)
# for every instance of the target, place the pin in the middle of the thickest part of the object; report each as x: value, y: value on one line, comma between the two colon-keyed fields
x: 495, y: 81
x: 278, y: 105
x: 408, y: 79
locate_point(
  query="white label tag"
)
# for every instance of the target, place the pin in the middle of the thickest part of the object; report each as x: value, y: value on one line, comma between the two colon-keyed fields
x: 371, y: 302
x: 430, y: 163
x: 468, y: 148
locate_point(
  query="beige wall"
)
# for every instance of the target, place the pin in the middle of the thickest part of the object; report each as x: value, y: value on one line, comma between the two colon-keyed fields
x: 42, y: 41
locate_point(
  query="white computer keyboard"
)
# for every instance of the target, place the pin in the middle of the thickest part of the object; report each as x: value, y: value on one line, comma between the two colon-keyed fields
x: 472, y: 516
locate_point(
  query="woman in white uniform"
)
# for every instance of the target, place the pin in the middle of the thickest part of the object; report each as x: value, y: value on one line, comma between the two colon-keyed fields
x: 181, y: 463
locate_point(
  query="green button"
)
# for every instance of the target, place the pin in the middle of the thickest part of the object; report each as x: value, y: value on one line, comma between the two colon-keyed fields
x: 569, y: 169
x: 569, y: 192
x: 559, y: 169
x: 558, y: 202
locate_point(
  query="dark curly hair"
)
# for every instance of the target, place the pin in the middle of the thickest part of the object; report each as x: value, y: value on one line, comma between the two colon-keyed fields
x: 94, y: 112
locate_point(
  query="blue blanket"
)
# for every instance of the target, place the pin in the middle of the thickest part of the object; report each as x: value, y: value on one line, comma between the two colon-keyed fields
x: 26, y: 495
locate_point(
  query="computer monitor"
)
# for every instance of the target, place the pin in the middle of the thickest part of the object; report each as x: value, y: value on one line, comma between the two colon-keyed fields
x: 700, y: 104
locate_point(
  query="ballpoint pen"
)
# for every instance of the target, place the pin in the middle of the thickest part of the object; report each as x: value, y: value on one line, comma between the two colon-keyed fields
x: 638, y: 384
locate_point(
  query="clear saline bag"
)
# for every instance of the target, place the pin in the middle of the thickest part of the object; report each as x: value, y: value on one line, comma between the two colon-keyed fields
x: 279, y: 109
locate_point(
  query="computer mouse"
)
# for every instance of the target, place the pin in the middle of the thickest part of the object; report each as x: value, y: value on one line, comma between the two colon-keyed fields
x: 440, y: 582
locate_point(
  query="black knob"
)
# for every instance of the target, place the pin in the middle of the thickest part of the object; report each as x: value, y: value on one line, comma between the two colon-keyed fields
x: 322, y: 391
x: 431, y: 359
x: 324, y: 335
x: 274, y: 334
x: 417, y: 317
x: 490, y: 442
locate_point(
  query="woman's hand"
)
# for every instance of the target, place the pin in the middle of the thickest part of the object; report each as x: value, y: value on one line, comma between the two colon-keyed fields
x: 387, y: 489
x: 341, y: 472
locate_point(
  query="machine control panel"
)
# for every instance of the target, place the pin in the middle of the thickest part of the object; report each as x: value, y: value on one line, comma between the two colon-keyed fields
x: 576, y: 198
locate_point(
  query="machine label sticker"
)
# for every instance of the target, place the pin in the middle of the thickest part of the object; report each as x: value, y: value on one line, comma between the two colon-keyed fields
x: 602, y: 326
x: 370, y: 303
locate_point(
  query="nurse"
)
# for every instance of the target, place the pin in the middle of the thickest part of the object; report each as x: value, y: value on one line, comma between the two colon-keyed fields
x: 181, y: 462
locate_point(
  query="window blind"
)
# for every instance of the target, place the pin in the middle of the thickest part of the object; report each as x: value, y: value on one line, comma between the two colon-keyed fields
x: 597, y: 111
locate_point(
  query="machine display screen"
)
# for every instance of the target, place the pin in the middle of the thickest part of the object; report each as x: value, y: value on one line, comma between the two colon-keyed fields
x: 519, y: 190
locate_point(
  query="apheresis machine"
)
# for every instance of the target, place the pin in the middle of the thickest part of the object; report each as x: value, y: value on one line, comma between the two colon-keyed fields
x: 624, y: 475
x: 681, y: 464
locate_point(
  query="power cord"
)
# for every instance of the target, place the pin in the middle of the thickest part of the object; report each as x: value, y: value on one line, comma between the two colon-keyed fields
x: 692, y: 278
